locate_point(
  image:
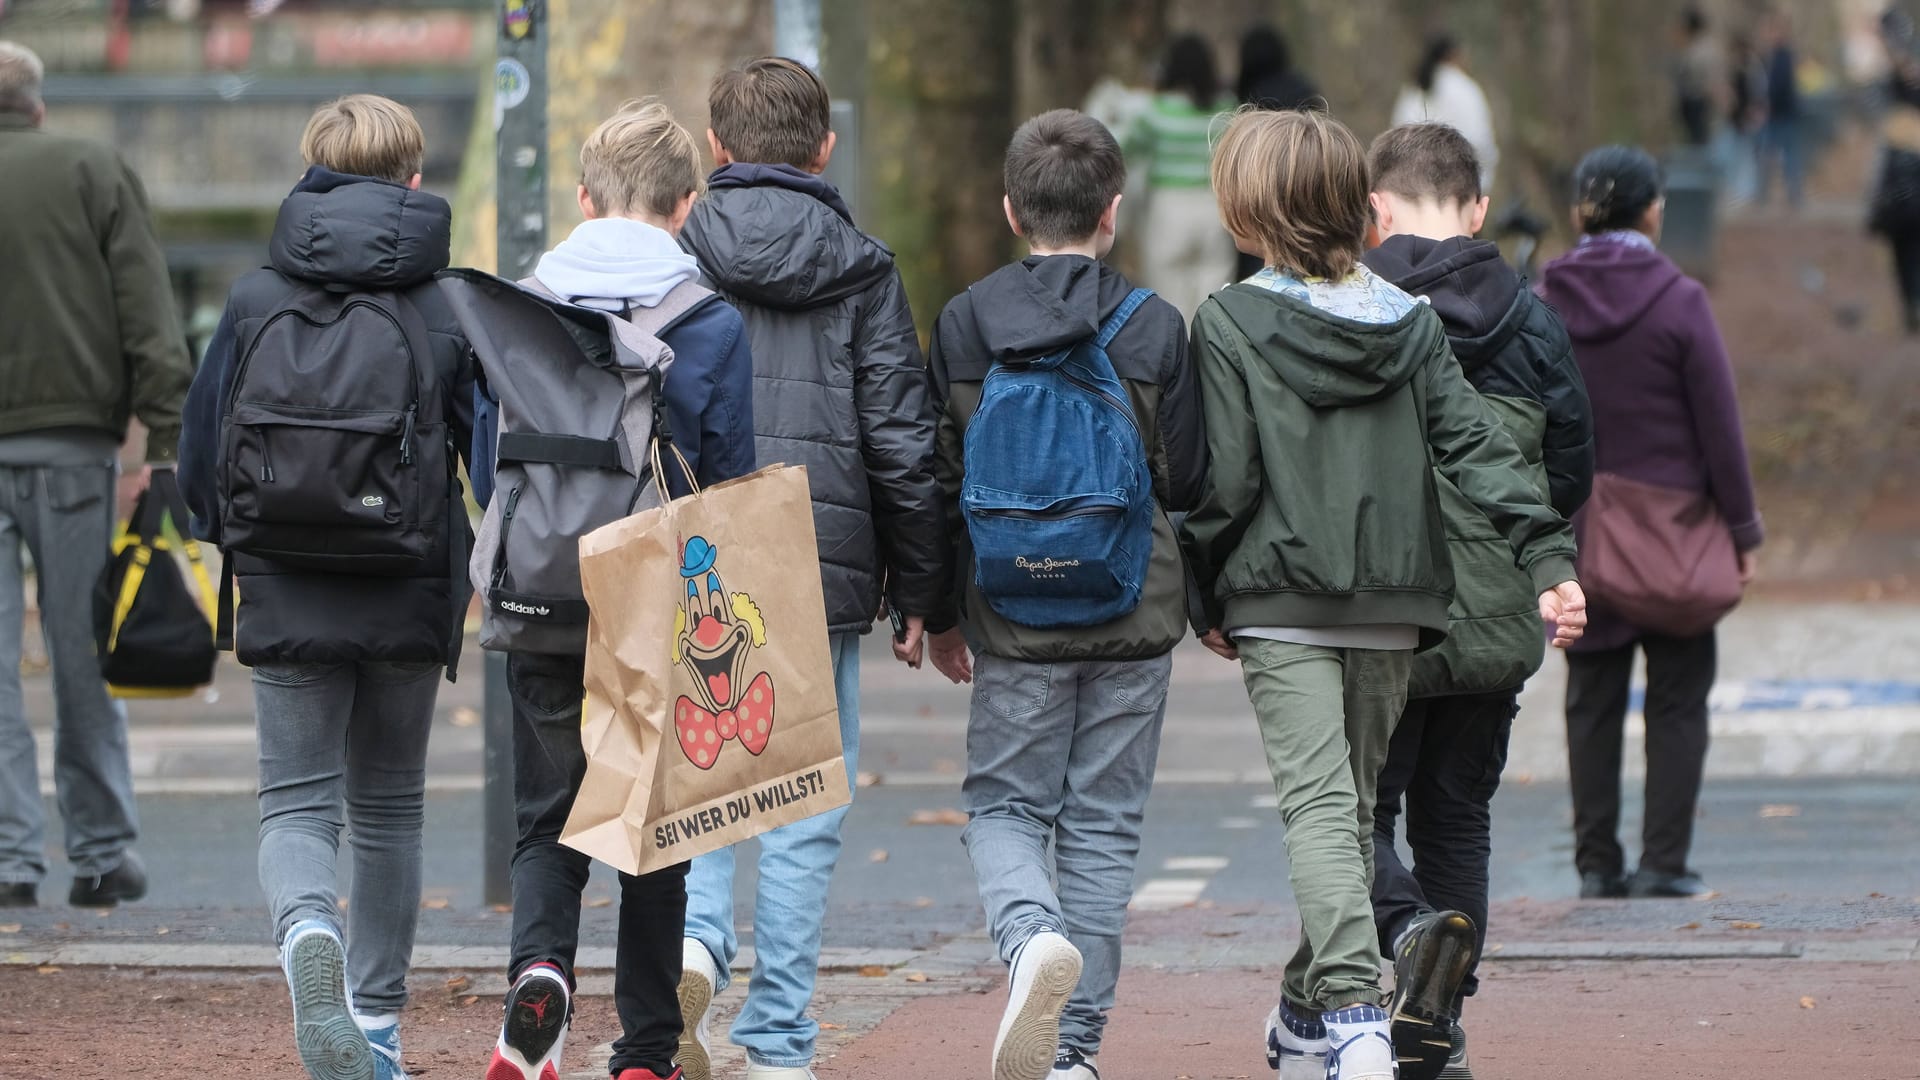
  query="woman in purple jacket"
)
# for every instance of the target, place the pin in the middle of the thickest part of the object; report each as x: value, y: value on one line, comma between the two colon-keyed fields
x: 1663, y: 413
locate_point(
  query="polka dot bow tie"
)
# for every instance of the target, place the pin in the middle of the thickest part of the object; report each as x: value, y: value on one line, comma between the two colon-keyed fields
x: 702, y: 733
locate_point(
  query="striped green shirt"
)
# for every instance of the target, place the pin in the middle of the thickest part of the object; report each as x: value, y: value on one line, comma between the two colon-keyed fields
x: 1175, y: 139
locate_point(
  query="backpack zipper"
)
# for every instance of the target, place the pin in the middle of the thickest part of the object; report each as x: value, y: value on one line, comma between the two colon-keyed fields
x: 1052, y: 515
x: 406, y: 436
x: 1118, y: 406
x: 266, y: 458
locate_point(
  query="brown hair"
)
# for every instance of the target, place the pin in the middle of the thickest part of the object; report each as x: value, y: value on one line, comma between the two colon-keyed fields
x: 1063, y: 170
x: 1425, y: 161
x: 771, y: 111
x: 1295, y: 184
x: 366, y: 135
x: 639, y: 159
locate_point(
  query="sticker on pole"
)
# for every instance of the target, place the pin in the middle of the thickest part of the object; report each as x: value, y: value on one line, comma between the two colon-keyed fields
x: 516, y: 19
x: 511, y: 83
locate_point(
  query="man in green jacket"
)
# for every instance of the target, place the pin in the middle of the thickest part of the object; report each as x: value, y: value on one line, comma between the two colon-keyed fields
x: 91, y: 338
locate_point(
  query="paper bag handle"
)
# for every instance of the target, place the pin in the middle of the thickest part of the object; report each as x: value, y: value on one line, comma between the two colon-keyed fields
x: 686, y: 470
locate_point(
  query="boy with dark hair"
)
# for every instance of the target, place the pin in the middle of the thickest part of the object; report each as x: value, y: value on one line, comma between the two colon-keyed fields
x: 839, y: 387
x: 1448, y: 750
x: 1331, y: 397
x: 1065, y: 724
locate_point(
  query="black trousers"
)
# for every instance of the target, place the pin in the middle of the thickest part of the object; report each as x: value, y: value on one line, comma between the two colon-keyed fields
x: 1445, y: 760
x: 1680, y: 672
x: 548, y: 763
x: 1906, y: 268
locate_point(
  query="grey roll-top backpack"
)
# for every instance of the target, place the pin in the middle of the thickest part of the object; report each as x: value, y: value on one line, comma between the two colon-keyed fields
x: 580, y: 407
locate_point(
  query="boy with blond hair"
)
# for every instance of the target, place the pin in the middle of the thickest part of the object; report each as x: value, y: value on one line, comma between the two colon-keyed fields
x: 842, y: 389
x: 345, y: 324
x: 639, y: 177
x: 1323, y: 579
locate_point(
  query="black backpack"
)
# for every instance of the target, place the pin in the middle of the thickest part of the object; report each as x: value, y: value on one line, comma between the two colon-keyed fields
x: 335, y: 446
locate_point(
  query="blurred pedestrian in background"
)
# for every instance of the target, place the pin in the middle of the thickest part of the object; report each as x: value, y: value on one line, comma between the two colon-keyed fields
x: 1664, y: 415
x: 90, y: 338
x: 1737, y: 146
x: 1185, y: 255
x: 1895, y: 205
x: 1699, y: 80
x: 1781, y: 134
x: 1268, y: 80
x: 1442, y: 91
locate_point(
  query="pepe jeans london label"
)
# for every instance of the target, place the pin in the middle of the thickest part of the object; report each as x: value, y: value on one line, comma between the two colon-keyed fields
x: 1045, y: 568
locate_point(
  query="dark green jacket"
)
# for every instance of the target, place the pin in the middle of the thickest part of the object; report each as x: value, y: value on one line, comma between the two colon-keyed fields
x: 1514, y: 351
x: 1321, y: 508
x: 88, y: 331
x: 1029, y: 309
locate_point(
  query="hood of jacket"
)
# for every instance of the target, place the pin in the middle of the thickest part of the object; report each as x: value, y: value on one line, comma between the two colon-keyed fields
x: 1476, y: 294
x: 1327, y: 360
x: 783, y: 238
x: 1037, y: 306
x: 1602, y: 288
x: 616, y: 259
x: 356, y: 231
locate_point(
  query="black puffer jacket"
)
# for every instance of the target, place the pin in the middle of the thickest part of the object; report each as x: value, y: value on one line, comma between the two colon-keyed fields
x: 1514, y: 351
x: 346, y: 233
x: 839, y: 384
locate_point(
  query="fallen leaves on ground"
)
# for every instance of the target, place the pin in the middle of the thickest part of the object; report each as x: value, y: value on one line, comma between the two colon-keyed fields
x: 1744, y: 925
x: 1807, y: 1003
x: 436, y: 903
x: 879, y: 855
x: 164, y: 930
x: 1779, y: 810
x: 465, y: 716
x: 470, y: 999
x: 923, y: 901
x: 600, y: 901
x: 865, y: 779
x: 48, y: 969
x: 874, y: 971
x: 9, y: 928
x: 824, y: 1026
x: 1688, y: 926
x: 458, y: 983
x: 916, y: 976
x: 943, y: 816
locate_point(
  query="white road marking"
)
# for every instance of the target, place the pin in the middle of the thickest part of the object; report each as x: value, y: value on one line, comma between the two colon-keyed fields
x: 1165, y: 894
x: 1195, y: 864
x: 1239, y: 823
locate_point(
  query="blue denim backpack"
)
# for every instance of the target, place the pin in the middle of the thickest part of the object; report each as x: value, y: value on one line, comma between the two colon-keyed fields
x: 1058, y: 498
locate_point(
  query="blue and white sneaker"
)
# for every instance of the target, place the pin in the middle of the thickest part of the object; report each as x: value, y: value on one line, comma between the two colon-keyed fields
x: 331, y: 1044
x: 383, y: 1034
x: 1360, y: 1044
x: 1296, y: 1048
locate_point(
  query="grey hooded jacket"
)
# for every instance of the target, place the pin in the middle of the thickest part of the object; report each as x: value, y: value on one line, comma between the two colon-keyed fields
x: 839, y: 383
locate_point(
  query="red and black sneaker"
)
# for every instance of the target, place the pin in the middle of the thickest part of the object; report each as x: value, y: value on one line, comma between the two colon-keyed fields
x: 647, y: 1074
x: 539, y: 1007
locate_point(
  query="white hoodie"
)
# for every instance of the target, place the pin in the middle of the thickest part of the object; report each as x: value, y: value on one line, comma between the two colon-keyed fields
x: 1457, y: 100
x: 611, y: 262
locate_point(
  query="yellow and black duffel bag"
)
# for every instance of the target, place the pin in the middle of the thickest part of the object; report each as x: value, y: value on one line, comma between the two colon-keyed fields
x: 154, y: 638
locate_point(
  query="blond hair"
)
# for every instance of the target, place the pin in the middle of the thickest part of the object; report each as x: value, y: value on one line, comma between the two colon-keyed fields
x: 1295, y: 185
x: 366, y: 135
x: 640, y: 160
x: 21, y: 74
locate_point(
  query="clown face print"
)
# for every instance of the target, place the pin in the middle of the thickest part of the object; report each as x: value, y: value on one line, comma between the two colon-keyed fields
x: 715, y: 635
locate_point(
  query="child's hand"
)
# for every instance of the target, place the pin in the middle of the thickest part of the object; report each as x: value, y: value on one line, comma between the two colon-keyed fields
x: 951, y: 656
x: 1564, y: 607
x: 909, y: 649
x: 1217, y: 641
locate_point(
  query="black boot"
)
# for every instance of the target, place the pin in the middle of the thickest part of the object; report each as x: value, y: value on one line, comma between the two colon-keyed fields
x: 19, y: 894
x: 128, y: 881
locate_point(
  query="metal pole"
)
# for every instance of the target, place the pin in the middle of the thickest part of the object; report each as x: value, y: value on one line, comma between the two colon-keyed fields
x: 796, y: 31
x: 520, y: 135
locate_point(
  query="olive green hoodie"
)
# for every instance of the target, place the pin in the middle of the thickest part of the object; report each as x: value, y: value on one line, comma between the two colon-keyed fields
x: 1321, y: 508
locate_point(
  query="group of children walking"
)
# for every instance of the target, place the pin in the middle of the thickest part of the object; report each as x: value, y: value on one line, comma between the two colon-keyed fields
x: 1016, y: 496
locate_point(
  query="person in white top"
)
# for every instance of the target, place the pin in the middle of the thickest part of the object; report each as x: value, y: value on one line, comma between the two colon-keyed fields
x: 1442, y: 91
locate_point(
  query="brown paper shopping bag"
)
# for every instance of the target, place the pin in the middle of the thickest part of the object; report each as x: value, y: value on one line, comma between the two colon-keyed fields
x: 710, y: 713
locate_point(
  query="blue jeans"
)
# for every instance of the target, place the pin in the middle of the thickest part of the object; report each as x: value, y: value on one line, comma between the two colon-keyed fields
x: 796, y: 862
x: 1782, y: 139
x: 63, y: 516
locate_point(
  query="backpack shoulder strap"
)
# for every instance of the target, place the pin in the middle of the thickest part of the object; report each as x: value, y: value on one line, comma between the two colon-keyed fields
x: 1111, y: 328
x: 678, y: 303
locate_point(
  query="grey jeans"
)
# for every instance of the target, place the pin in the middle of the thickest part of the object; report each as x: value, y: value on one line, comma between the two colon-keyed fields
x: 345, y: 745
x: 1062, y: 754
x: 64, y: 516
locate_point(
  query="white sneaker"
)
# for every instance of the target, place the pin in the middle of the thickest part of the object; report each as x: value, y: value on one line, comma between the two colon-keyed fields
x: 775, y: 1072
x: 1361, y: 1044
x: 1295, y: 1056
x: 698, y: 977
x: 331, y: 1044
x: 1043, y: 977
x: 1073, y: 1065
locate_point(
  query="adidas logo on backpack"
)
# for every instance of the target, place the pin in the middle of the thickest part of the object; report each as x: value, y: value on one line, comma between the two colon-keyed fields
x: 1058, y: 497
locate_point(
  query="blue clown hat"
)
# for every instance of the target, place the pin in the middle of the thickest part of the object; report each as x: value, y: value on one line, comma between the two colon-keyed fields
x: 697, y: 557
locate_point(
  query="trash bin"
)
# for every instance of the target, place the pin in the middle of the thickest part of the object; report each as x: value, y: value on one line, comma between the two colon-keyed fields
x: 1693, y: 215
